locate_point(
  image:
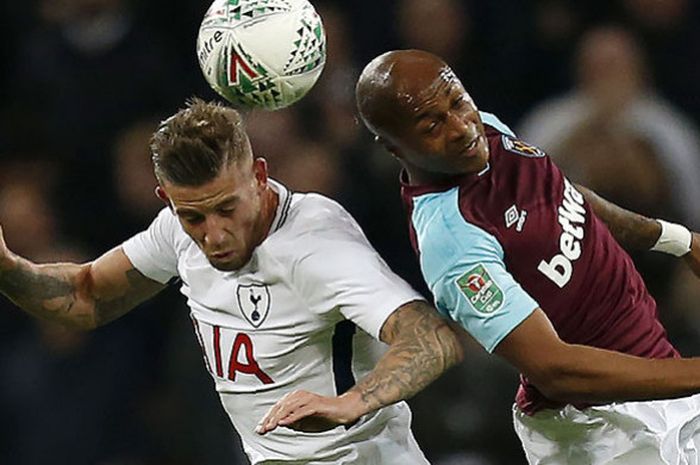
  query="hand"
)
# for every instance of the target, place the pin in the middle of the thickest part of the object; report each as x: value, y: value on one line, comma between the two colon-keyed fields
x: 310, y: 412
x: 692, y: 258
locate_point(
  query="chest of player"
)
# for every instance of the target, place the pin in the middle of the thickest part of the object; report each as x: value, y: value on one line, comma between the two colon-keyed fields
x: 253, y: 326
x: 257, y: 298
x: 540, y: 220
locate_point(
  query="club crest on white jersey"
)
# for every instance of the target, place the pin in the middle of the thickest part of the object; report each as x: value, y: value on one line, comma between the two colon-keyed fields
x: 254, y: 302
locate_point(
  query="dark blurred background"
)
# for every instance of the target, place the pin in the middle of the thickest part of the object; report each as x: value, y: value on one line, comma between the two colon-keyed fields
x: 608, y: 88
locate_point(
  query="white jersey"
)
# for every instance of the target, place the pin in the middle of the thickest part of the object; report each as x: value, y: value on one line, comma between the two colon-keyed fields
x: 279, y: 324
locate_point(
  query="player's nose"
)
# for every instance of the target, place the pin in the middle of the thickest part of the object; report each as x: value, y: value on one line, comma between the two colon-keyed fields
x: 214, y: 232
x: 460, y: 129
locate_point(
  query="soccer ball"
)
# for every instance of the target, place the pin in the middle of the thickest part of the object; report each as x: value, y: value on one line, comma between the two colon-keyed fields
x: 261, y: 53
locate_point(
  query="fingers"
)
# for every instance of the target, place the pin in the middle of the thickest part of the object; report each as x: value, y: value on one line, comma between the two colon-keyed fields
x: 301, y: 412
x: 289, y: 409
x: 268, y: 422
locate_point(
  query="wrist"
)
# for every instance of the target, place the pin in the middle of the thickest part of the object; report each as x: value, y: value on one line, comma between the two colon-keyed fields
x: 355, y: 406
x: 675, y: 239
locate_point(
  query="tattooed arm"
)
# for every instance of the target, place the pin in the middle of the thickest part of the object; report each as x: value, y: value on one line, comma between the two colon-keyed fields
x: 81, y: 296
x: 632, y: 230
x: 421, y: 347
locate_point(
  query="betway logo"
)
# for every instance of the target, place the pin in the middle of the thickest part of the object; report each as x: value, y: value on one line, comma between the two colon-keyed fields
x: 572, y: 215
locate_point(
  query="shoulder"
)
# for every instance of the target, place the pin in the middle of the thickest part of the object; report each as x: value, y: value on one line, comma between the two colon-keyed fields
x: 316, y: 226
x: 493, y: 122
x: 166, y: 227
x: 155, y: 251
x: 317, y: 215
x: 503, y: 139
x: 167, y: 219
x: 445, y: 236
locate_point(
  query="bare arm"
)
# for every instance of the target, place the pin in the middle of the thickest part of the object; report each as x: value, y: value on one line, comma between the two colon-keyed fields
x: 576, y: 373
x: 421, y: 348
x: 82, y: 296
x: 632, y: 230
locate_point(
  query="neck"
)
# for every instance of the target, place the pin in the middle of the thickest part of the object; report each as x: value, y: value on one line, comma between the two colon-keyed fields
x: 270, y: 201
x: 419, y: 177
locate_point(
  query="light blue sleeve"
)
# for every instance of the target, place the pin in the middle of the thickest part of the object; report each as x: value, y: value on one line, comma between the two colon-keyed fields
x: 493, y: 121
x: 464, y: 268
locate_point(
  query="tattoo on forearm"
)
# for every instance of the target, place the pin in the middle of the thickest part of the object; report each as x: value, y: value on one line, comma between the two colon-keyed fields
x: 423, y: 347
x: 43, y: 286
x: 64, y: 293
x: 632, y: 230
x: 43, y: 291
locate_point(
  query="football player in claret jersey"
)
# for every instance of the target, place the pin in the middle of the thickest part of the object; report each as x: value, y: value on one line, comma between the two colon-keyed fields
x: 530, y: 265
x: 288, y: 301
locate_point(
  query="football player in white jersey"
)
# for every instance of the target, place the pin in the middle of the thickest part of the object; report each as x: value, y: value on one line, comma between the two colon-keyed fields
x: 288, y: 300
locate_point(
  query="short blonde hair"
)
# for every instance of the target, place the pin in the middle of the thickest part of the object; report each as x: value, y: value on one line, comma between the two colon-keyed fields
x: 192, y: 147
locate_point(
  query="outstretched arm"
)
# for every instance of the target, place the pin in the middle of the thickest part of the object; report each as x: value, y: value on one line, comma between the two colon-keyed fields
x: 82, y: 296
x: 634, y: 231
x: 575, y: 373
x: 421, y: 348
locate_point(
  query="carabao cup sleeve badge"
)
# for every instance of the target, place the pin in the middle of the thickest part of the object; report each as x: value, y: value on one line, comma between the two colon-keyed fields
x: 480, y: 289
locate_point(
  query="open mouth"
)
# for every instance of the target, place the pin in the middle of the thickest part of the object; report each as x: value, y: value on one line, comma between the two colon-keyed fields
x: 469, y: 149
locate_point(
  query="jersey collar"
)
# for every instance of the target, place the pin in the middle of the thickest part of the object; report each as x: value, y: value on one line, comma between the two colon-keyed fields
x: 414, y: 190
x: 285, y: 200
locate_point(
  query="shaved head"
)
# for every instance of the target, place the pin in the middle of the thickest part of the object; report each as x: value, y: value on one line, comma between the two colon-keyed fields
x: 421, y: 113
x: 394, y: 81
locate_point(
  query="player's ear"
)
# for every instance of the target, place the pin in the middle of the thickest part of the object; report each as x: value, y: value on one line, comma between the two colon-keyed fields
x: 260, y: 170
x: 160, y: 193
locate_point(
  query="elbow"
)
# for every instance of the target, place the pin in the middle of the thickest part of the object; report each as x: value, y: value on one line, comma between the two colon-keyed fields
x: 80, y: 323
x: 554, y: 388
x: 84, y: 326
x: 560, y: 376
x: 563, y: 383
x: 453, y: 349
x: 81, y: 314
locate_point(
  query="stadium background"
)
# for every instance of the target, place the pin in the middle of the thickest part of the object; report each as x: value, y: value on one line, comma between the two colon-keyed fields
x: 84, y: 82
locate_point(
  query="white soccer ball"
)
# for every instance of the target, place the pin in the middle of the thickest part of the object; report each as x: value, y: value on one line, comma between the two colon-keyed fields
x: 261, y: 53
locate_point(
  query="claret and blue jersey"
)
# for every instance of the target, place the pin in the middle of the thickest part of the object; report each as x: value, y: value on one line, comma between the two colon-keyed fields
x: 494, y: 246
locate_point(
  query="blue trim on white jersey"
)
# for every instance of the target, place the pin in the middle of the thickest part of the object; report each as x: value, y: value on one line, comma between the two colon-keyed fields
x: 493, y: 121
x: 453, y: 250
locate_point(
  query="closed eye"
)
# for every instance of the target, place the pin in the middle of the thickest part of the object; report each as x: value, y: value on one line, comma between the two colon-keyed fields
x: 226, y: 211
x: 192, y: 219
x: 432, y: 127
